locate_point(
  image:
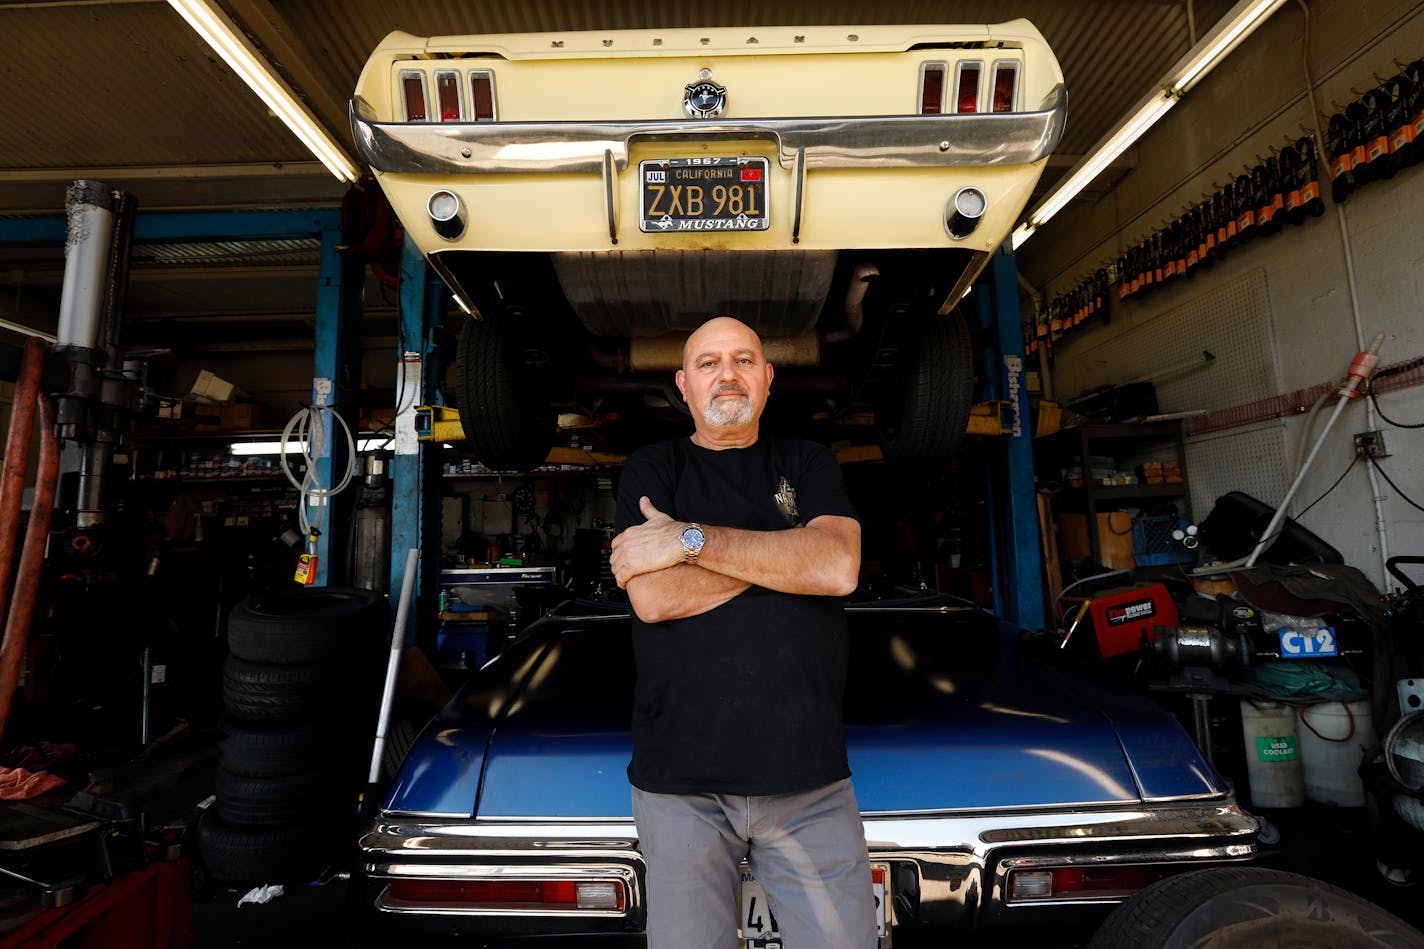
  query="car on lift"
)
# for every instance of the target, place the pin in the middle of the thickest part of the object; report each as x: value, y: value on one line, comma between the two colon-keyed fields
x: 1002, y: 781
x: 590, y: 197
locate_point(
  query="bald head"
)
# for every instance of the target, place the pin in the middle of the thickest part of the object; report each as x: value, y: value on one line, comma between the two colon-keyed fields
x: 720, y: 329
x: 725, y: 379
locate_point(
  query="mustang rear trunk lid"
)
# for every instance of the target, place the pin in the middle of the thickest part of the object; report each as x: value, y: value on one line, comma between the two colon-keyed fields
x: 943, y: 712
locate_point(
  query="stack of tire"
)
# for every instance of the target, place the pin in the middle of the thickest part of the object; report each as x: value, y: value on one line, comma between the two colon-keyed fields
x: 301, y: 690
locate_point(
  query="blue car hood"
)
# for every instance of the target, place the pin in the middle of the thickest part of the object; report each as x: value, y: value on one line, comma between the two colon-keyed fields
x: 945, y: 710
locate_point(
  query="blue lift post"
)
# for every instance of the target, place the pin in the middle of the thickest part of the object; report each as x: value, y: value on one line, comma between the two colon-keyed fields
x: 1009, y: 485
x: 336, y: 380
x: 415, y: 468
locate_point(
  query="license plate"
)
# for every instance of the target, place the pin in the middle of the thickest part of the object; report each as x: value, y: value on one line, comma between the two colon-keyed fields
x: 703, y: 194
x: 1309, y: 643
x: 758, y: 925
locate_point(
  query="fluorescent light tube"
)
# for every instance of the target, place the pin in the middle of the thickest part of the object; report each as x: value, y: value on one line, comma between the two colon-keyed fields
x: 1239, y: 23
x: 1103, y: 154
x: 228, y: 42
x: 295, y: 446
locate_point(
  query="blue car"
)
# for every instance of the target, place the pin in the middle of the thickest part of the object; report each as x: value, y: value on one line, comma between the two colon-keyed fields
x: 1000, y: 783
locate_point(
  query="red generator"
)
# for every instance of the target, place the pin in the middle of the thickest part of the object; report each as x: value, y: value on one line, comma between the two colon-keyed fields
x: 1121, y: 615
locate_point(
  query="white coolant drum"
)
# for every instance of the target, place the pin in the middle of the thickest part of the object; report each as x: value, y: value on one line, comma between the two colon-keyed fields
x: 1272, y: 757
x: 1333, y: 737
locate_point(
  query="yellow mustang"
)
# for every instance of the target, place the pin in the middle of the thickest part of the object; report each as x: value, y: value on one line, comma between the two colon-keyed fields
x: 590, y: 197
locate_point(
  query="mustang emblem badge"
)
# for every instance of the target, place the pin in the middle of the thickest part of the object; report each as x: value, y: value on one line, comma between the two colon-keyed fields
x: 704, y: 99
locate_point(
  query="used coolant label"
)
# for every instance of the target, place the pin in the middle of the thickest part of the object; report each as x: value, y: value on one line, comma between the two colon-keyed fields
x: 1276, y: 749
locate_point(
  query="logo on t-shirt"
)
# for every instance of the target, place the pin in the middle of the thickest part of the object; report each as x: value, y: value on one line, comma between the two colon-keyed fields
x: 785, y: 498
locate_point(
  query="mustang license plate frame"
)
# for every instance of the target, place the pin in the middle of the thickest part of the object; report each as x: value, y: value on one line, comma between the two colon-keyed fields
x: 713, y: 193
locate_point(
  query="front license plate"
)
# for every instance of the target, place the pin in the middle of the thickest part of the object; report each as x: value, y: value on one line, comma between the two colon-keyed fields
x: 703, y: 194
x: 759, y: 927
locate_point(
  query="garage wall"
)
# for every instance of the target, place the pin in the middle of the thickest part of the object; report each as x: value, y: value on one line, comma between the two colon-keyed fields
x: 1288, y: 297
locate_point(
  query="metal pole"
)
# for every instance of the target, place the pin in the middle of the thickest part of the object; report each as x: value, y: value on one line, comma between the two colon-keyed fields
x: 1347, y: 391
x: 398, y: 638
x: 17, y: 453
x: 27, y: 583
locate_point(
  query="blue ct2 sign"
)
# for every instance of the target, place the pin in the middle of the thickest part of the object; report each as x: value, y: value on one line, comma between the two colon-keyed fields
x: 1309, y: 643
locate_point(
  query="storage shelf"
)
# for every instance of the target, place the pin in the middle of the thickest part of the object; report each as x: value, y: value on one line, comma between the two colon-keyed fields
x: 1105, y: 491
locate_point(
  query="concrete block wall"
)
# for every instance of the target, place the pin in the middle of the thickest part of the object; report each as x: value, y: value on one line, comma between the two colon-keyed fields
x: 1254, y: 101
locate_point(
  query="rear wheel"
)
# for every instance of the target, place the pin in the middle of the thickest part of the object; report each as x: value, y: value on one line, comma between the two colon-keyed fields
x: 1245, y: 907
x: 922, y: 419
x: 503, y: 408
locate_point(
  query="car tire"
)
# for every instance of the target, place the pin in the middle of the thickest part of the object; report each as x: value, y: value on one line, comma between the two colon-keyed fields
x: 306, y: 625
x: 245, y: 856
x: 274, y: 695
x: 503, y: 409
x: 402, y: 730
x: 922, y: 420
x: 1241, y: 907
x: 271, y: 753
x: 244, y: 801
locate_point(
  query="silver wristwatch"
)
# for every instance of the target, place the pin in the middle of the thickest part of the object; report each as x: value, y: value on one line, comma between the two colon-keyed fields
x: 692, y: 541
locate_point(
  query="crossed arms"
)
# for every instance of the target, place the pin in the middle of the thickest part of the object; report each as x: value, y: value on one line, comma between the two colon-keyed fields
x: 820, y: 559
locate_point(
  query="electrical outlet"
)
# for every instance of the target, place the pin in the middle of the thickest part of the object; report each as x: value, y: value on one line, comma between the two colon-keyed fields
x: 1370, y: 445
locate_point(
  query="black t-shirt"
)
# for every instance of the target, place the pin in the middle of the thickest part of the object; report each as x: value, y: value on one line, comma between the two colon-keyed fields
x: 745, y: 698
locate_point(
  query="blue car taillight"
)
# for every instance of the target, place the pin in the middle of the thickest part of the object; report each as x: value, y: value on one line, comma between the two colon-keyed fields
x: 1031, y: 886
x: 498, y: 894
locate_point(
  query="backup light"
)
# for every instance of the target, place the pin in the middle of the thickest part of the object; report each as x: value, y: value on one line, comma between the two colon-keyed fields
x: 962, y: 213
x: 447, y: 214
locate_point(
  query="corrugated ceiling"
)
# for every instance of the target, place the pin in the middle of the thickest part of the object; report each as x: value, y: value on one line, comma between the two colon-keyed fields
x: 124, y: 90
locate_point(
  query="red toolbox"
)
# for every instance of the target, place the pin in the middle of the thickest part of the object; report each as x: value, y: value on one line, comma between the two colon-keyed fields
x: 1121, y: 615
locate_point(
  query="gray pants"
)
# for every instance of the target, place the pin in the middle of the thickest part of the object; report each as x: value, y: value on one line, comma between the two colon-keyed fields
x: 807, y: 850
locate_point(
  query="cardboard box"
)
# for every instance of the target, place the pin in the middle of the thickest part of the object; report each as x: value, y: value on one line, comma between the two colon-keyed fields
x: 1114, y: 538
x: 240, y: 416
x: 214, y: 389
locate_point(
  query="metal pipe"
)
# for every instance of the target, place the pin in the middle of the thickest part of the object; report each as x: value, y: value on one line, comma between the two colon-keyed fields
x: 27, y: 582
x: 388, y: 695
x: 90, y: 206
x: 17, y: 456
x: 664, y: 353
x: 94, y: 462
x: 1347, y: 392
x: 854, y: 304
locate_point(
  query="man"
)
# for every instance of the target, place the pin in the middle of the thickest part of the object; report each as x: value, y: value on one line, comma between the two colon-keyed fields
x: 736, y: 549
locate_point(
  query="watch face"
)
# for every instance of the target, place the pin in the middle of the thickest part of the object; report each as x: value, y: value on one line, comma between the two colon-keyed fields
x: 693, y: 538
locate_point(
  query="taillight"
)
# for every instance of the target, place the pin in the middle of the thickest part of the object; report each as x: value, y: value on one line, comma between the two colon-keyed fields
x: 932, y: 88
x: 966, y: 90
x: 482, y: 95
x: 447, y: 94
x: 497, y: 894
x: 1029, y: 886
x: 1006, y: 81
x: 413, y: 90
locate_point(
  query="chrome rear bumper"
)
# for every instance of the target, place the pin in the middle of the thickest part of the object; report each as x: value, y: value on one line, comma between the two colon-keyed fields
x: 948, y: 870
x: 895, y: 141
